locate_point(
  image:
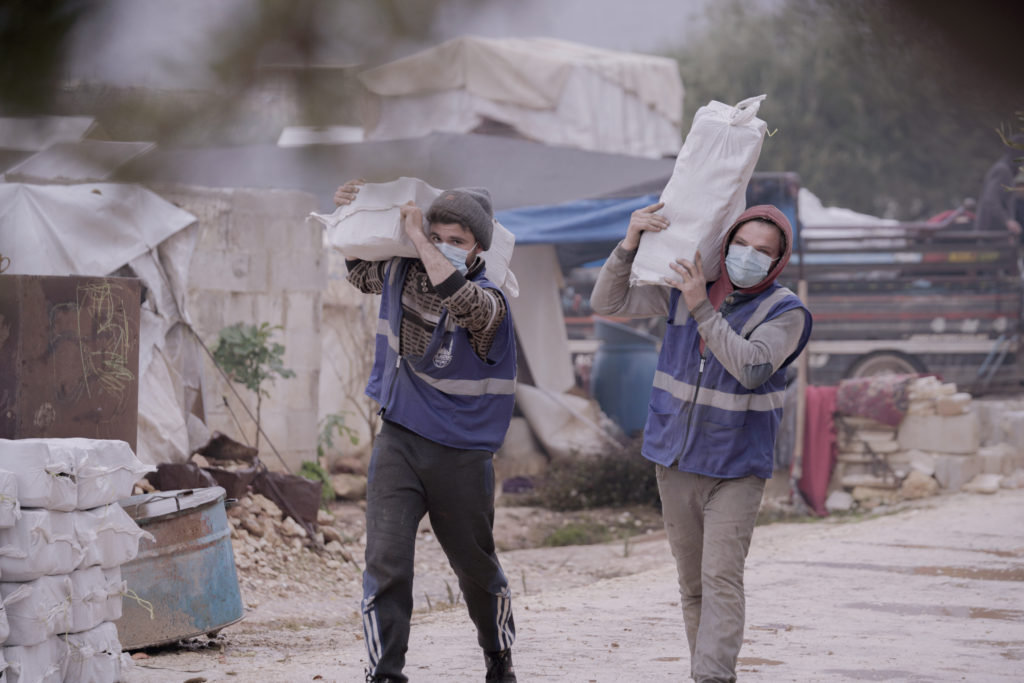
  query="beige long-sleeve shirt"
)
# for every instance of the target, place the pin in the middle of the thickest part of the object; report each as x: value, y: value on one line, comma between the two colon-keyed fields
x: 751, y: 361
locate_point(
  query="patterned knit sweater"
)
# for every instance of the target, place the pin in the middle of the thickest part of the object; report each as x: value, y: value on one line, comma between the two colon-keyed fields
x: 477, y: 309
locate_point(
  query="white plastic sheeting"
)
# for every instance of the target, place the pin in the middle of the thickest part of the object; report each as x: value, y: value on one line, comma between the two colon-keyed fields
x: 553, y: 91
x: 105, y: 469
x: 706, y: 192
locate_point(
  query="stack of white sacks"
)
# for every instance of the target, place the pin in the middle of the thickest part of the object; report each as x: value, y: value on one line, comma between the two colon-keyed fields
x: 63, y: 539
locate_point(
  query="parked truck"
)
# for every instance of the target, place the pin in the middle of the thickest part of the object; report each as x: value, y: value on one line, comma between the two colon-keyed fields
x: 929, y: 297
x: 923, y: 297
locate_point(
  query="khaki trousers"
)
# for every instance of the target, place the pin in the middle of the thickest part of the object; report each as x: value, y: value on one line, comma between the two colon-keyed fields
x: 709, y: 523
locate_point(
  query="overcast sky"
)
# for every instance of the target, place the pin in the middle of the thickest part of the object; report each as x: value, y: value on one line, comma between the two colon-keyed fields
x: 161, y: 43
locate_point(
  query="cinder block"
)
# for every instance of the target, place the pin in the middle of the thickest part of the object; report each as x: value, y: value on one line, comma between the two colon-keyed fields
x: 270, y: 307
x: 228, y: 270
x: 953, y: 471
x: 301, y: 391
x: 302, y: 350
x: 954, y: 404
x: 1011, y: 428
x: 302, y: 311
x: 940, y: 434
x: 299, y: 270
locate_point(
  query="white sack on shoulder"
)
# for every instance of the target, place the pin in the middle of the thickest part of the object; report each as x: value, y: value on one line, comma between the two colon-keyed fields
x: 37, y: 610
x: 370, y: 228
x: 707, y: 190
x: 42, y: 542
x: 45, y: 478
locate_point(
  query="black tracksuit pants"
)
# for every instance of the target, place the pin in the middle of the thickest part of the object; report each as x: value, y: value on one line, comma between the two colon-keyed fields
x: 411, y: 476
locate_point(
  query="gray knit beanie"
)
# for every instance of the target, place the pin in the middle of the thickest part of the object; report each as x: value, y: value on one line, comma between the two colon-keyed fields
x: 469, y: 206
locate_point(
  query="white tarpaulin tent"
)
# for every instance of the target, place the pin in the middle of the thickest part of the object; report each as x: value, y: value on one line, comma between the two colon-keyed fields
x: 95, y: 229
x: 548, y: 90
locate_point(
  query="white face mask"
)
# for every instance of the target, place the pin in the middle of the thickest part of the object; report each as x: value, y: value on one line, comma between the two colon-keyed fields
x: 746, y: 266
x: 457, y: 257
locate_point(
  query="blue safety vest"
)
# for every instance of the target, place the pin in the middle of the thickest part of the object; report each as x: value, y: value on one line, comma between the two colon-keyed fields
x: 448, y: 395
x: 701, y: 419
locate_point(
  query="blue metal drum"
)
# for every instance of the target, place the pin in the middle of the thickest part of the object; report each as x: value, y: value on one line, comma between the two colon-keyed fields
x: 623, y: 373
x: 187, y: 575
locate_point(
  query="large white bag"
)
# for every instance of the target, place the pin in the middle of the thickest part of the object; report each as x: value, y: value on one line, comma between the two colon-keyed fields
x: 106, y: 470
x: 370, y: 228
x: 108, y: 536
x: 95, y: 655
x: 37, y: 610
x: 42, y: 663
x: 46, y: 479
x: 10, y: 508
x: 707, y: 190
x: 42, y: 542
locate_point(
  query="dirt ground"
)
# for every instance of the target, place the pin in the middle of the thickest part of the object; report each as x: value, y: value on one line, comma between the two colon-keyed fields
x: 927, y: 591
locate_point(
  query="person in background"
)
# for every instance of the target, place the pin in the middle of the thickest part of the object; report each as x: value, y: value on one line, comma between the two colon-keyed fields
x: 444, y: 375
x: 995, y: 199
x: 714, y: 409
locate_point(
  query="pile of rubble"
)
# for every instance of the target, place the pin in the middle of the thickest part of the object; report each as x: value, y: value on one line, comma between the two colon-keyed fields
x: 946, y: 441
x: 273, y: 552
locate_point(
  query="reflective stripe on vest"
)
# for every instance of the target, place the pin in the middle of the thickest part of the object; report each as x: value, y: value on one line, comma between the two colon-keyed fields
x: 684, y: 391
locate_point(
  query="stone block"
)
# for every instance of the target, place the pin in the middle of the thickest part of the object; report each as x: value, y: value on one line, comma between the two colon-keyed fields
x: 998, y: 459
x: 954, y: 404
x: 302, y: 391
x: 953, y: 471
x: 301, y: 350
x: 984, y: 483
x: 918, y: 485
x: 302, y: 311
x: 839, y: 501
x: 1011, y: 429
x: 229, y: 271
x: 938, y: 434
x: 270, y: 308
x: 304, y: 269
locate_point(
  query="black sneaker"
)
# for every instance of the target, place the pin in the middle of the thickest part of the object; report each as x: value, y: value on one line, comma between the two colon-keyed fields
x: 499, y: 667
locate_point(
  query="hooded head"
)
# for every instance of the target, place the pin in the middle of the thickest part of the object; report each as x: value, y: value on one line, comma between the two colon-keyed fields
x: 769, y: 214
x: 468, y: 206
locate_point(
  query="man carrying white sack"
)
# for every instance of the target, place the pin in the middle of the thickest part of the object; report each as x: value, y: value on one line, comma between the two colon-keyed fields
x: 444, y: 375
x: 714, y: 409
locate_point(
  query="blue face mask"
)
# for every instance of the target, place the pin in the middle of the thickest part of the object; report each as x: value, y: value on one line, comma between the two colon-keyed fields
x: 746, y: 266
x: 457, y: 257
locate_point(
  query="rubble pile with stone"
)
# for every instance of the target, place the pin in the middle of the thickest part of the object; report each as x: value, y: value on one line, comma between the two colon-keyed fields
x: 946, y: 441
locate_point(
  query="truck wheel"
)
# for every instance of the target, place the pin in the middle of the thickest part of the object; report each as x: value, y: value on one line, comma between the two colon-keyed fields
x: 885, y: 362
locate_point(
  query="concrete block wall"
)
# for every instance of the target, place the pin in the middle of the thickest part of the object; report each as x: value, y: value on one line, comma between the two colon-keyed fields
x: 258, y: 260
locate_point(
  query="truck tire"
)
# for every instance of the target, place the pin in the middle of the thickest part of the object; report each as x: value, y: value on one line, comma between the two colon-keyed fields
x: 885, y: 362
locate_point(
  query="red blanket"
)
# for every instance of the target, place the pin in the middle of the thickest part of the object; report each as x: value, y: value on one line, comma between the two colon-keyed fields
x: 819, y: 447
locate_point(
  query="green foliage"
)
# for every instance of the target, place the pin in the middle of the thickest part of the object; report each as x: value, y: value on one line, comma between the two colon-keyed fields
x: 314, y: 472
x: 578, y: 533
x: 247, y: 355
x: 875, y: 109
x: 609, y: 480
x: 333, y: 422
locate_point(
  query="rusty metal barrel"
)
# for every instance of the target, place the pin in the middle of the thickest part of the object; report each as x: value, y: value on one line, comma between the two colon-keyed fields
x: 185, y: 578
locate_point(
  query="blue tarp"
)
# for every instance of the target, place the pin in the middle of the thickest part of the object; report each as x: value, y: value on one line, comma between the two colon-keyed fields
x: 578, y: 222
